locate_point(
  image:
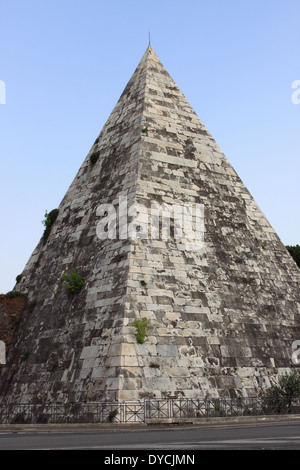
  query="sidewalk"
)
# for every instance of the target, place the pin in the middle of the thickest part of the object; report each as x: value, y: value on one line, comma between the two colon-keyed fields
x: 148, y: 426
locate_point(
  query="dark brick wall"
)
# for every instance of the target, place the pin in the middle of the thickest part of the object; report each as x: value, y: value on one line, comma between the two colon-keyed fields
x: 10, y: 312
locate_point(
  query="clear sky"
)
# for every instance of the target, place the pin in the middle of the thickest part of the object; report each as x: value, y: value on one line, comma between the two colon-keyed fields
x: 64, y: 64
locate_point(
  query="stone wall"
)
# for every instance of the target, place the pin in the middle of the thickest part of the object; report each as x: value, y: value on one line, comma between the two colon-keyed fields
x: 222, y: 318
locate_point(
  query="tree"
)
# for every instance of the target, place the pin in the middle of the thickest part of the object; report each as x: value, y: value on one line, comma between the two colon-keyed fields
x: 281, y: 395
x: 295, y: 253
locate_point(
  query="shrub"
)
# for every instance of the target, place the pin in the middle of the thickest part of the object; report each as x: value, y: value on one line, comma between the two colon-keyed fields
x: 14, y: 293
x: 73, y: 283
x: 94, y: 157
x: 48, y: 222
x: 18, y: 278
x: 142, y: 327
x: 280, y: 396
x: 288, y: 386
x: 25, y: 356
x: 112, y: 415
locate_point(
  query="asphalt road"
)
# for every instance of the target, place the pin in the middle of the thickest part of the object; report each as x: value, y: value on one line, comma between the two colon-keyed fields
x: 283, y: 434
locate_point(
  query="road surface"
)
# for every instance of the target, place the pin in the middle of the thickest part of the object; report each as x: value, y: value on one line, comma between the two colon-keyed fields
x: 281, y: 434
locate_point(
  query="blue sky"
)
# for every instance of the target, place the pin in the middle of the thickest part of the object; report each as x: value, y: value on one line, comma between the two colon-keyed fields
x: 65, y: 63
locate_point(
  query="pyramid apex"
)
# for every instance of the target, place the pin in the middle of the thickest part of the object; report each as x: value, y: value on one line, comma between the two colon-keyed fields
x: 149, y: 49
x: 150, y: 53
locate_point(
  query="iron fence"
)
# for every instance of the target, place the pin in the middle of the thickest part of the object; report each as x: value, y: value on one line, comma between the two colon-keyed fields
x: 145, y: 411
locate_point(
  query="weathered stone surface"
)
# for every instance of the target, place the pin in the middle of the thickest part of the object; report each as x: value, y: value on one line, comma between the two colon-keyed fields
x: 222, y: 318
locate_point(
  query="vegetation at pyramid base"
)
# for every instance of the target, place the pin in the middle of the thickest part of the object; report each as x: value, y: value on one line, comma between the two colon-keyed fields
x: 48, y: 222
x: 295, y: 253
x: 280, y: 397
x: 73, y: 283
x: 288, y: 386
x: 112, y: 415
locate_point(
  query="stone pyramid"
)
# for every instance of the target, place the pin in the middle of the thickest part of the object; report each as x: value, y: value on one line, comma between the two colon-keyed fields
x: 221, y: 300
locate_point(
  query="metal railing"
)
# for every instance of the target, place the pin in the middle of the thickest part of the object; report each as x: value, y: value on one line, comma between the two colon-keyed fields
x: 146, y: 410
